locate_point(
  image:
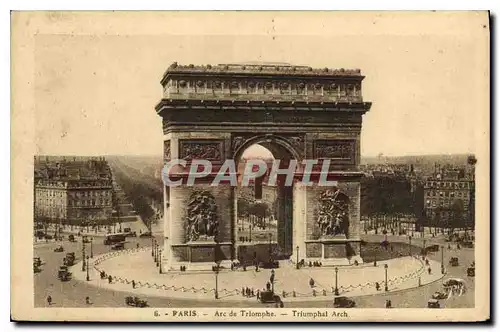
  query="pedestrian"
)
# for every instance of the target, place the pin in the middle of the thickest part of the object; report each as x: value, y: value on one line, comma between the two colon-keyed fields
x: 110, y: 279
x: 282, y: 305
x: 388, y: 304
x: 49, y: 300
x: 87, y: 300
x: 137, y: 245
x: 429, y: 270
x: 133, y: 283
x: 252, y: 293
x: 311, y: 282
x: 243, y: 291
x: 377, y: 286
x: 258, y: 294
x: 268, y: 286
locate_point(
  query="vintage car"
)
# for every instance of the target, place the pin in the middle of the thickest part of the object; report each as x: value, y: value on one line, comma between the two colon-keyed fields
x: 439, y: 296
x: 343, y: 302
x: 433, y: 248
x: 69, y: 260
x: 85, y: 239
x: 37, y: 261
x: 454, y: 261
x: 36, y: 267
x: 145, y: 234
x: 118, y: 246
x: 269, y: 297
x: 471, y: 271
x: 468, y: 244
x: 433, y: 303
x: 59, y: 249
x: 134, y: 301
x: 63, y: 274
x: 71, y: 238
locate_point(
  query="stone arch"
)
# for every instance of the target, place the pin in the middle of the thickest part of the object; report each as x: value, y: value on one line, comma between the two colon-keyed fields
x: 278, y: 145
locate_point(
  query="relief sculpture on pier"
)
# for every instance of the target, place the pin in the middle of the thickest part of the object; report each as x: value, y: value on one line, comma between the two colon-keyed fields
x: 333, y: 214
x: 202, y: 219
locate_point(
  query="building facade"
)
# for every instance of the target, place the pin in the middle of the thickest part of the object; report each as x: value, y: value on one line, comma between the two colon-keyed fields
x: 448, y: 197
x: 73, y: 190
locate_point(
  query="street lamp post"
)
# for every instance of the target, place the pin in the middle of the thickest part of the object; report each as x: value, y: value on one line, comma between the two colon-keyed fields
x: 297, y: 257
x: 152, y: 246
x: 424, y: 249
x: 157, y: 255
x: 272, y: 281
x: 270, y: 248
x: 83, y: 255
x: 375, y: 261
x: 216, y: 271
x: 88, y: 268
x: 91, y: 247
x: 442, y: 259
x: 409, y: 244
x: 386, y: 267
x: 217, y: 263
x: 336, y: 281
x: 160, y: 261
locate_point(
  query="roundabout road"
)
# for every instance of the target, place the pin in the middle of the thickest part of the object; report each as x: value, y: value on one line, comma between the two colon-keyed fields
x: 72, y: 293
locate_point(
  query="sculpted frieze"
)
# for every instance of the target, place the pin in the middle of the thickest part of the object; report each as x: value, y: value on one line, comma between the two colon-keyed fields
x: 338, y: 150
x: 201, y: 149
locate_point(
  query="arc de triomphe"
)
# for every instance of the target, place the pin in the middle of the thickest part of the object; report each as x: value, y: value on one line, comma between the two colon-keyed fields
x: 297, y: 112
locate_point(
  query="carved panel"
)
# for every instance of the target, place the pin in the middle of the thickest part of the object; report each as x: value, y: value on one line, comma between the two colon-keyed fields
x: 340, y: 151
x: 202, y: 217
x: 211, y: 150
x: 333, y: 213
x: 166, y: 151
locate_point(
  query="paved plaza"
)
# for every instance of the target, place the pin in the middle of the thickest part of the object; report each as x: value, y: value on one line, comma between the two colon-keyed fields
x: 137, y: 265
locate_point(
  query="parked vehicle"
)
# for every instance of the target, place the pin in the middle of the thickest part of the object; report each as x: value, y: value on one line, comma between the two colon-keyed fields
x: 85, y: 239
x: 454, y: 261
x: 145, y: 234
x: 471, y: 271
x: 134, y: 301
x: 36, y: 267
x: 71, y: 238
x: 269, y: 297
x: 59, y: 249
x: 433, y: 303
x: 48, y: 237
x: 343, y: 302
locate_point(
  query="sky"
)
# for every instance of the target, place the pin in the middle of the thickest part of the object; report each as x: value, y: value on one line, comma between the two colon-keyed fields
x: 95, y: 93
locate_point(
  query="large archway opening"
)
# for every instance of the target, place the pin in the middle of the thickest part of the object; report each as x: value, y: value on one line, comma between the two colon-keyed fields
x: 264, y: 209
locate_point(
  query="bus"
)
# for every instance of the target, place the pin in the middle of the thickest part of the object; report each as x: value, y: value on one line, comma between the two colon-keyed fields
x: 114, y: 238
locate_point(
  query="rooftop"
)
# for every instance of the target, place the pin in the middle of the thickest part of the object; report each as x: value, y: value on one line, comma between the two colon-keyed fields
x: 261, y: 68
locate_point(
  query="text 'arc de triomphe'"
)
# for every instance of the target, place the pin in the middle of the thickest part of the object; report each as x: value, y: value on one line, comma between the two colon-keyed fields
x: 297, y: 112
